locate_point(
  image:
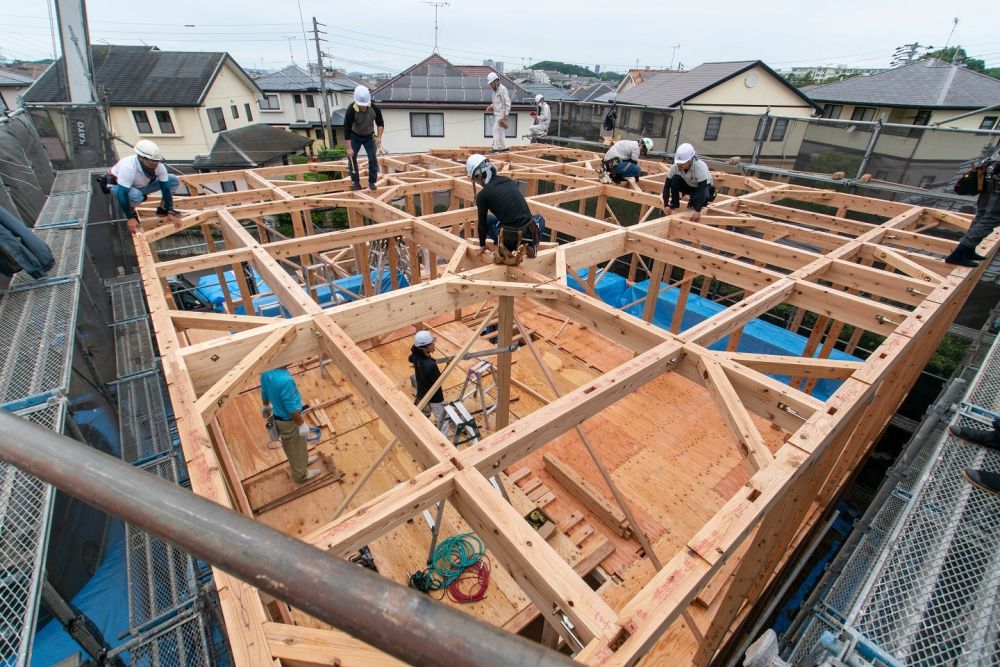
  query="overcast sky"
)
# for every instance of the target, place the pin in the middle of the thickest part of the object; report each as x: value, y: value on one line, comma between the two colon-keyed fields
x: 390, y: 35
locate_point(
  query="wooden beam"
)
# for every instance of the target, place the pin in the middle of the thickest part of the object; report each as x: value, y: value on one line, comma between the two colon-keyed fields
x: 312, y: 646
x: 734, y: 414
x: 209, y: 404
x: 585, y: 492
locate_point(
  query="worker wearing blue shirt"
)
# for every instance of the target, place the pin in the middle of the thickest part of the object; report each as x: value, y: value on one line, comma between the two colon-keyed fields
x: 280, y: 395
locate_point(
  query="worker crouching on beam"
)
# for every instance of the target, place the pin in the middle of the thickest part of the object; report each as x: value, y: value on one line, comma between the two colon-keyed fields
x: 504, y: 215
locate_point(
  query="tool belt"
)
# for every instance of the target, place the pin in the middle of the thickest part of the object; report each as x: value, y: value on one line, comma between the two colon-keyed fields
x: 510, y: 247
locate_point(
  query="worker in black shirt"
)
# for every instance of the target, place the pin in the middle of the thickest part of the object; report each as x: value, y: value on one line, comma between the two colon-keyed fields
x: 363, y: 127
x: 504, y: 215
x: 426, y: 373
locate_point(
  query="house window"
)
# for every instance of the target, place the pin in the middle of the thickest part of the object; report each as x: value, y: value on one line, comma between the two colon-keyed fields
x: 426, y: 124
x: 229, y: 186
x: 297, y: 98
x: 712, y: 128
x: 832, y: 110
x: 988, y: 123
x: 511, y: 130
x: 310, y: 101
x: 216, y: 119
x: 246, y: 107
x: 923, y: 117
x: 142, y: 122
x: 779, y: 129
x: 164, y: 121
x: 270, y: 102
x: 234, y: 111
x: 863, y: 113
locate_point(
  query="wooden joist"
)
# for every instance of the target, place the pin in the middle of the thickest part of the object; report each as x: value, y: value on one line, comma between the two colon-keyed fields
x: 584, y: 491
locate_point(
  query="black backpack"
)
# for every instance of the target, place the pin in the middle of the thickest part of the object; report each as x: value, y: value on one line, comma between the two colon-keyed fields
x: 971, y: 182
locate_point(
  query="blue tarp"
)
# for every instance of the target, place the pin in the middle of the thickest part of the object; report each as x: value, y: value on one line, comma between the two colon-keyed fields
x: 759, y: 337
x: 268, y: 306
x: 104, y: 600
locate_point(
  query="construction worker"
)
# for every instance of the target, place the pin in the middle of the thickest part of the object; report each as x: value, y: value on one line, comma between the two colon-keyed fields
x: 500, y: 108
x: 136, y: 176
x: 622, y: 160
x: 989, y: 439
x: 987, y: 215
x: 501, y: 197
x: 426, y: 372
x: 543, y: 117
x: 688, y: 175
x: 363, y: 128
x: 280, y: 395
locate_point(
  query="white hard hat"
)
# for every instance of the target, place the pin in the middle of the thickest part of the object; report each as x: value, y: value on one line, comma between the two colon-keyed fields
x: 147, y: 149
x: 684, y: 153
x: 491, y: 77
x: 648, y: 143
x: 539, y: 98
x: 362, y: 96
x: 423, y: 339
x: 474, y: 162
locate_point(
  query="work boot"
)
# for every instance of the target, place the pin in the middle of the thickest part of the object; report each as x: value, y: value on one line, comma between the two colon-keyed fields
x: 373, y: 187
x: 989, y: 439
x: 311, y: 474
x: 985, y: 480
x: 355, y: 186
x: 313, y: 458
x: 976, y: 256
x: 961, y: 256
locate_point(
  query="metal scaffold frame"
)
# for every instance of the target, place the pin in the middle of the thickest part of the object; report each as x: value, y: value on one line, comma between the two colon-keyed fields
x: 37, y: 338
x: 885, y: 277
x: 921, y: 586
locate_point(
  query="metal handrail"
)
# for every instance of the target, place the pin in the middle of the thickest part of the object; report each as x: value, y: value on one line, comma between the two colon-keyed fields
x: 395, y: 619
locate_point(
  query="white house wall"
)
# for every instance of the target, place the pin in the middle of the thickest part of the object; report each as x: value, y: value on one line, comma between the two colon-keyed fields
x: 462, y: 127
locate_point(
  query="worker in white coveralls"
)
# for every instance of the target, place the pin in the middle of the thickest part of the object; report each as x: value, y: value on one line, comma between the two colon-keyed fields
x: 500, y: 108
x: 543, y: 117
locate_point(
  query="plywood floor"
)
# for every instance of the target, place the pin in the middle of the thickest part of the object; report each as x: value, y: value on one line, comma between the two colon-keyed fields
x: 665, y: 446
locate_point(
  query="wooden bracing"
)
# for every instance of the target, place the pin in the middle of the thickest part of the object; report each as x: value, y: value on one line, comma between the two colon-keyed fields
x: 767, y: 247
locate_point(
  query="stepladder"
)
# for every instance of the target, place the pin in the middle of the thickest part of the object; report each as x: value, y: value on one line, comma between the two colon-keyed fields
x: 460, y: 427
x: 480, y: 382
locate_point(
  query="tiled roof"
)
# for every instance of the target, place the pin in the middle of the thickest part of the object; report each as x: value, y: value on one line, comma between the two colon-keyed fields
x: 550, y: 92
x: 595, y: 93
x: 294, y: 79
x: 927, y: 83
x: 141, y: 76
x: 434, y: 80
x: 668, y: 89
x: 13, y: 79
x: 250, y: 147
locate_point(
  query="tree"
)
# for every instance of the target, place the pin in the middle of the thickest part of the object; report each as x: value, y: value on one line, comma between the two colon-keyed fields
x: 958, y: 56
x: 563, y: 68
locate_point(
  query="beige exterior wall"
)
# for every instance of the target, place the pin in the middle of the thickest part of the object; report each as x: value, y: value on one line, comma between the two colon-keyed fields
x: 734, y: 95
x: 461, y: 128
x: 9, y: 95
x: 193, y: 133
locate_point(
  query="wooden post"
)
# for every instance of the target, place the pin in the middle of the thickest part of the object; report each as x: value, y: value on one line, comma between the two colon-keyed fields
x: 653, y: 293
x: 505, y: 323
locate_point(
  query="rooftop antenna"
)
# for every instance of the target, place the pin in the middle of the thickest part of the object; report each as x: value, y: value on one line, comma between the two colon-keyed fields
x: 954, y: 25
x: 290, y: 54
x: 673, y: 53
x: 436, y: 4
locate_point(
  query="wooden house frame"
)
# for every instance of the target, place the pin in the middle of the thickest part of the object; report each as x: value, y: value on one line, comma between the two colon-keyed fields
x: 765, y: 238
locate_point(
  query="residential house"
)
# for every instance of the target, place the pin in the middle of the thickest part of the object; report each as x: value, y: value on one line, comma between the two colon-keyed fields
x: 179, y: 99
x: 12, y: 86
x: 926, y: 93
x: 636, y: 76
x: 292, y: 101
x: 250, y: 147
x: 717, y: 107
x: 435, y: 104
x: 595, y: 92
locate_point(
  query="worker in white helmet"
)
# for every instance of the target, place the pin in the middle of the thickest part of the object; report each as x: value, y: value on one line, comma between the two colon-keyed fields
x: 622, y: 160
x: 543, y: 117
x: 503, y: 211
x: 500, y: 108
x: 363, y: 127
x: 136, y: 176
x: 426, y: 373
x: 688, y: 175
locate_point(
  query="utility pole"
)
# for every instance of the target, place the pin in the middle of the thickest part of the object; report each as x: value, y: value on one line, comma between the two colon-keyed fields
x: 436, y: 4
x: 327, y: 130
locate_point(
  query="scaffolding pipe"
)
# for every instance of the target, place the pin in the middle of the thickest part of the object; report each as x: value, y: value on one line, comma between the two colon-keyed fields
x: 402, y: 622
